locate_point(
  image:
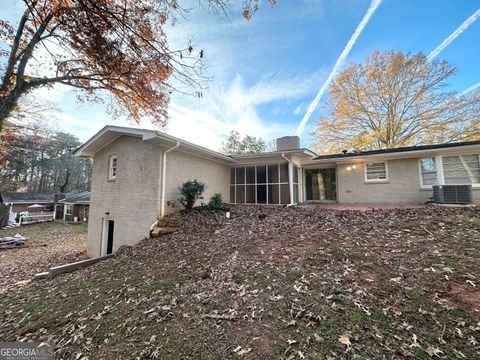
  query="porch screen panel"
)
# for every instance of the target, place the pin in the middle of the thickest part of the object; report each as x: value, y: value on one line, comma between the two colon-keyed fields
x: 284, y: 173
x: 250, y: 194
x: 285, y: 194
x: 250, y: 175
x: 261, y: 194
x: 240, y: 195
x: 240, y: 177
x: 260, y: 184
x: 232, y: 185
x: 273, y: 174
x: 274, y: 194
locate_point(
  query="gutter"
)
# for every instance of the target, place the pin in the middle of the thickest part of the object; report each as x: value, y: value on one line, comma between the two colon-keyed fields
x: 290, y: 178
x: 164, y: 177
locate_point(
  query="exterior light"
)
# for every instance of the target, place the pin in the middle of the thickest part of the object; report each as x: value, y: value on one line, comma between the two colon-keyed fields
x: 354, y: 166
x: 349, y: 168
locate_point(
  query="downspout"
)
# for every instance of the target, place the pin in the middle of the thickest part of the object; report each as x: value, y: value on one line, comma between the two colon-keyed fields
x: 290, y: 178
x: 164, y: 177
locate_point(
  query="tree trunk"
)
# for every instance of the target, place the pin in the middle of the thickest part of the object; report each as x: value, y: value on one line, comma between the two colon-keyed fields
x: 7, y: 105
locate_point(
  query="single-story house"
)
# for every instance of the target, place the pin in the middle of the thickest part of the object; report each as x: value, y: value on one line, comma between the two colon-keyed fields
x: 74, y: 206
x: 39, y: 205
x: 137, y: 172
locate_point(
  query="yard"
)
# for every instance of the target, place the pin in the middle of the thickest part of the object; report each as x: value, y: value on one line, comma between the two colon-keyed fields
x: 49, y: 244
x: 271, y: 283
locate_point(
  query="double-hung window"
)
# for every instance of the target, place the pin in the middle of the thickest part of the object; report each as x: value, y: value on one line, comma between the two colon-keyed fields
x: 428, y: 172
x: 376, y: 172
x: 461, y: 169
x: 112, y: 168
x: 68, y: 209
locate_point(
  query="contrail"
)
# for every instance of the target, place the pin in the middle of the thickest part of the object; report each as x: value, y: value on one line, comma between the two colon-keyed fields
x: 471, y: 88
x: 340, y: 61
x: 454, y: 35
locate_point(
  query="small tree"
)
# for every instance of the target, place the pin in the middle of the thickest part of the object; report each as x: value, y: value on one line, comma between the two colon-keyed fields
x: 191, y: 191
x: 235, y: 145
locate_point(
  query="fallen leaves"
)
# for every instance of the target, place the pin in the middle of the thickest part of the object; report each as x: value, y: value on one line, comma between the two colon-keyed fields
x: 298, y: 283
x: 344, y: 340
x: 241, y: 351
x: 64, y: 243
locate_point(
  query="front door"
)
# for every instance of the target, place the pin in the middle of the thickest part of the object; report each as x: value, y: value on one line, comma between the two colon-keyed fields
x: 110, y: 237
x: 321, y: 184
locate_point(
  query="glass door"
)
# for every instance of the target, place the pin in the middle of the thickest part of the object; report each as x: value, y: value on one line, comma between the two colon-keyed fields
x: 321, y: 184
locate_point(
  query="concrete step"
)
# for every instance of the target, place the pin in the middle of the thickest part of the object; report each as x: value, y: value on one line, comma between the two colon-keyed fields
x: 160, y: 231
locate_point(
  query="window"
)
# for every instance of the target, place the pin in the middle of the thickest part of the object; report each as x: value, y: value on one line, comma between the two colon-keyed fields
x: 428, y: 171
x: 462, y: 169
x: 376, y: 172
x: 68, y: 209
x: 112, y: 174
x: 260, y: 184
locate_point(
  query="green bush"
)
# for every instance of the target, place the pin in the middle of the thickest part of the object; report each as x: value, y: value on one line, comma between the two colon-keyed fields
x: 216, y: 202
x: 191, y: 191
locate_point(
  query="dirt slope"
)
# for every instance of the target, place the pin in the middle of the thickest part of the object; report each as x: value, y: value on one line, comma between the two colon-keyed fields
x: 301, y: 283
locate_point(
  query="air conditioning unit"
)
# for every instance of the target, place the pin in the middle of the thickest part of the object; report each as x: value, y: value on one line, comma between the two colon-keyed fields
x: 452, y: 194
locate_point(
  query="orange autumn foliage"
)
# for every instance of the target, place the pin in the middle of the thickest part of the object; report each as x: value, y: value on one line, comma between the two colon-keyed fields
x: 395, y: 100
x: 102, y: 47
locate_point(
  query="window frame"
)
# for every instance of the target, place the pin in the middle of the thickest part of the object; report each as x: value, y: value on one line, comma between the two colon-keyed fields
x: 459, y: 155
x: 420, y: 173
x: 376, y: 181
x: 111, y: 176
x: 68, y: 209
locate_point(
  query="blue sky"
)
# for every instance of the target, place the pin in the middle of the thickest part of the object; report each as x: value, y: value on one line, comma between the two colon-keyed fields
x: 267, y: 71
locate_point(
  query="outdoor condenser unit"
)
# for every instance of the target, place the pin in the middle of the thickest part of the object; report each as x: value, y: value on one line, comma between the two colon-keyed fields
x: 452, y: 194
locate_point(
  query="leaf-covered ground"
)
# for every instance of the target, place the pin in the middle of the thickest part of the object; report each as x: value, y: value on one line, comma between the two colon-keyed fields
x: 49, y: 244
x: 300, y: 283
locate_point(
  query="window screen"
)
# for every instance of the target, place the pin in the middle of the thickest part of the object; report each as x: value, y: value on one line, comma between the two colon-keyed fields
x: 376, y: 171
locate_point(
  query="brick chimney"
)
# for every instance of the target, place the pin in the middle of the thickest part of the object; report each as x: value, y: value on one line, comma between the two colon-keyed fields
x: 288, y: 143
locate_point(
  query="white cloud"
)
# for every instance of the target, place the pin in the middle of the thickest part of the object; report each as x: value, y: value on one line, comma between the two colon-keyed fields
x: 471, y: 88
x: 454, y: 35
x: 299, y: 108
x: 340, y: 61
x: 236, y: 108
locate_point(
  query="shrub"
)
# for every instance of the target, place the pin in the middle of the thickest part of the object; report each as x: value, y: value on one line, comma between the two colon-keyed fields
x: 191, y: 191
x: 216, y: 202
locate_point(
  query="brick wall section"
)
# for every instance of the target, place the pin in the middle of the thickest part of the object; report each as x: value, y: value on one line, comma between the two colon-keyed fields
x: 403, y: 186
x: 182, y: 167
x: 131, y: 200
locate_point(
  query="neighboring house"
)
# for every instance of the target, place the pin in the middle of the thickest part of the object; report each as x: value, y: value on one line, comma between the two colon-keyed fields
x: 136, y: 175
x: 33, y: 205
x: 73, y: 207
